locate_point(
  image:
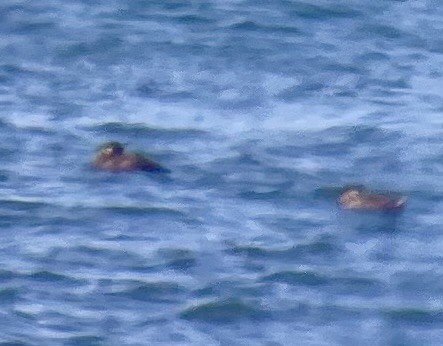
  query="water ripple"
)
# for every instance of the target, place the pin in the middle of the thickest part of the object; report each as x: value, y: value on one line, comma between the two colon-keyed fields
x: 224, y: 311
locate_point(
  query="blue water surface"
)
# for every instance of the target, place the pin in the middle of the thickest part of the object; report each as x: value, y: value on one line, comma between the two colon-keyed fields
x: 261, y: 110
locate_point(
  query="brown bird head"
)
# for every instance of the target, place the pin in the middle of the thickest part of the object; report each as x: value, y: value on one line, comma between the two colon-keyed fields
x: 111, y: 149
x: 351, y: 195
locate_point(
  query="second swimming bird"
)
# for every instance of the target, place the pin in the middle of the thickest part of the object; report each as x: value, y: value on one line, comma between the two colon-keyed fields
x: 111, y: 156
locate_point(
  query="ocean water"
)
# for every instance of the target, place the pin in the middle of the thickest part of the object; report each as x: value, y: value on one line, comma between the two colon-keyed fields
x: 261, y: 110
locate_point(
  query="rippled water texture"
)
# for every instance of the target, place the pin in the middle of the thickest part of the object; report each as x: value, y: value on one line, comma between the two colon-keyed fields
x: 261, y: 110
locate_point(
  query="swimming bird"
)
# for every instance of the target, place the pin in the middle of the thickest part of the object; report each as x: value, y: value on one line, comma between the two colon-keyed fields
x: 111, y: 156
x: 358, y: 198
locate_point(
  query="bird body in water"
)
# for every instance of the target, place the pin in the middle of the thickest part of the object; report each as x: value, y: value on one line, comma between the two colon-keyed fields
x: 358, y: 198
x: 111, y: 156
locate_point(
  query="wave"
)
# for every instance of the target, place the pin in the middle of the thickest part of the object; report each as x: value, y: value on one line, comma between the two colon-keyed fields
x: 158, y: 292
x: 224, y: 311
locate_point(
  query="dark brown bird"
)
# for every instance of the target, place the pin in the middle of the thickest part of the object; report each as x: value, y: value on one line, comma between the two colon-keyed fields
x: 111, y: 156
x: 358, y: 198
